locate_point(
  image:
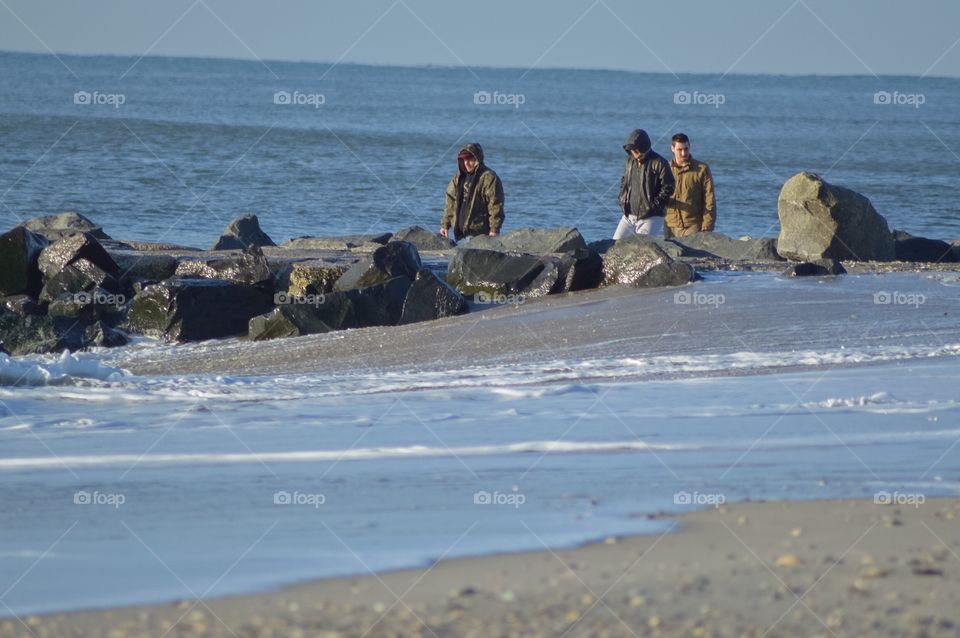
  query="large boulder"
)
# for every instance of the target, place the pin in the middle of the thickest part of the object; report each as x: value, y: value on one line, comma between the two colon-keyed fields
x: 56, y: 227
x: 347, y: 242
x: 312, y: 277
x: 635, y: 261
x: 249, y: 268
x: 30, y: 334
x: 243, y: 232
x: 144, y: 265
x: 431, y: 298
x: 910, y: 248
x: 77, y: 263
x: 818, y: 268
x: 182, y: 309
x: 580, y: 269
x: 819, y: 220
x: 676, y: 251
x: 424, y: 239
x: 22, y: 305
x: 493, y: 273
x: 711, y: 244
x: 396, y: 259
x: 534, y: 241
x: 19, y: 255
x: 89, y: 307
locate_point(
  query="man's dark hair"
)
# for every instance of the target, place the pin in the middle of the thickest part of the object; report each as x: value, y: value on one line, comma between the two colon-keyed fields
x: 681, y: 138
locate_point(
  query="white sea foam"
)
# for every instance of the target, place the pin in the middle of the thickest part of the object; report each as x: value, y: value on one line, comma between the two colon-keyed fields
x: 53, y: 370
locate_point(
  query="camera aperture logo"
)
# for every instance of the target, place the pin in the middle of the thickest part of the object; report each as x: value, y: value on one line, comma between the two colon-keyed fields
x: 299, y: 498
x: 896, y: 98
x: 899, y: 498
x: 486, y: 98
x: 287, y: 299
x: 296, y: 98
x: 96, y: 98
x: 698, y: 498
x: 686, y: 98
x: 697, y: 298
x: 114, y: 500
x: 897, y: 298
x: 499, y: 298
x: 99, y: 298
x: 512, y: 499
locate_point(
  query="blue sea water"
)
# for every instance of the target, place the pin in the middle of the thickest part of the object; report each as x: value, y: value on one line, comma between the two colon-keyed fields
x: 170, y: 149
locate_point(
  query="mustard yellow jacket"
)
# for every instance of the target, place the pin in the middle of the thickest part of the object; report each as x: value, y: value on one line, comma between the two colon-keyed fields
x: 693, y: 207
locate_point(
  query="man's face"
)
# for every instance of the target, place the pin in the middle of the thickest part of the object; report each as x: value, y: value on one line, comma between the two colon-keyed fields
x: 635, y: 154
x: 681, y: 152
x: 470, y: 164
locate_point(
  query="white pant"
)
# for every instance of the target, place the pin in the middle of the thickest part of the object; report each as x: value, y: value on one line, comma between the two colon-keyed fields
x: 633, y: 226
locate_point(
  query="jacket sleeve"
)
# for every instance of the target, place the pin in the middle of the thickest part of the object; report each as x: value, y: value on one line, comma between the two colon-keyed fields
x: 450, y: 205
x: 624, y: 197
x: 709, y: 202
x: 493, y: 194
x: 667, y: 186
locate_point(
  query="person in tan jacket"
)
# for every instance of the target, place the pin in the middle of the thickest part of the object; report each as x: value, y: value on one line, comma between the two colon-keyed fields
x: 474, y: 198
x: 693, y: 207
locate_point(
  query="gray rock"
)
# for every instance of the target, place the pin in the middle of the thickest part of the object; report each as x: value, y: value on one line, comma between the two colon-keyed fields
x: 312, y: 277
x: 636, y: 261
x: 102, y: 335
x: 534, y: 241
x: 148, y: 266
x: 23, y: 335
x: 474, y: 270
x: 819, y: 220
x: 336, y: 243
x: 910, y: 248
x: 80, y: 276
x: 424, y: 239
x: 710, y: 244
x: 249, y: 268
x: 396, y: 259
x: 65, y: 252
x: 243, y: 232
x: 580, y: 269
x: 196, y: 309
x: 56, y: 227
x: 431, y: 298
x: 818, y: 268
x: 22, y: 305
x: 676, y: 251
x: 19, y: 255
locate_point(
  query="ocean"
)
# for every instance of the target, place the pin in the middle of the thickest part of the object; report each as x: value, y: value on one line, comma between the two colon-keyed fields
x: 606, y: 409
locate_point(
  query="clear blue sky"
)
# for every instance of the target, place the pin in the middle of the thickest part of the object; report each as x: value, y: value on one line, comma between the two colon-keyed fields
x: 881, y: 37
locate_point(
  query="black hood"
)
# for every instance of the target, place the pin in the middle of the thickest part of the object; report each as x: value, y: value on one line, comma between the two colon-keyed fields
x: 474, y: 149
x: 639, y: 140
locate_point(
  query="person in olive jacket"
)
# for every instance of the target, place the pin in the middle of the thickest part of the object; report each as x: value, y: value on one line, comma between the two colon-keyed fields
x: 645, y: 188
x: 693, y: 207
x: 474, y: 197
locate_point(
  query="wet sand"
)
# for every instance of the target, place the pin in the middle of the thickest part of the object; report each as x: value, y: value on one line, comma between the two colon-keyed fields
x: 815, y: 568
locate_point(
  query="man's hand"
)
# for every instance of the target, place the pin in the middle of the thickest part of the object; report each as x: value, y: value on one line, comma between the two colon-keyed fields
x: 443, y: 232
x: 493, y: 233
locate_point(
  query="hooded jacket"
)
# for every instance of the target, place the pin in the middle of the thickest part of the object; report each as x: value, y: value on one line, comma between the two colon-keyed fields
x: 693, y: 207
x: 482, y: 212
x: 647, y: 184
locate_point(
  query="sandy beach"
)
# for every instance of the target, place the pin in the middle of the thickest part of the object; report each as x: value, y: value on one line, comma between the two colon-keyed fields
x: 813, y: 568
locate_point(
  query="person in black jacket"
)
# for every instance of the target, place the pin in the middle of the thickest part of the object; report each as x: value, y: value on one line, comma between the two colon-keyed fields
x: 645, y: 188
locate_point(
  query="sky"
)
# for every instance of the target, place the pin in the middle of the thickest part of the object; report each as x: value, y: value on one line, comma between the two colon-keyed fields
x: 833, y: 37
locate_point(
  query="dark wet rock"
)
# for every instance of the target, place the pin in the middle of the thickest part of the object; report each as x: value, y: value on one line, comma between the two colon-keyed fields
x: 337, y: 243
x: 249, y: 268
x: 148, y: 266
x: 184, y: 309
x: 711, y: 244
x: 910, y: 248
x: 547, y: 280
x: 101, y: 335
x: 377, y: 305
x: 819, y: 220
x: 23, y: 335
x: 153, y: 246
x: 818, y: 268
x: 56, y: 227
x: 22, y: 305
x: 396, y: 259
x: 491, y: 272
x: 243, y: 232
x: 431, y: 298
x: 307, y: 278
x: 534, y: 241
x: 424, y: 239
x: 20, y: 251
x: 79, y: 277
x: 676, y: 251
x: 69, y: 250
x: 89, y: 306
x: 636, y: 261
x: 580, y: 269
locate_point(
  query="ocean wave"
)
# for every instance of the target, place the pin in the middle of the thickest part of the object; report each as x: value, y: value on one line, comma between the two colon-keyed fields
x: 55, y: 370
